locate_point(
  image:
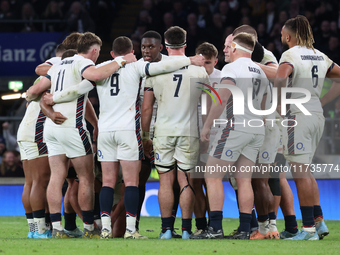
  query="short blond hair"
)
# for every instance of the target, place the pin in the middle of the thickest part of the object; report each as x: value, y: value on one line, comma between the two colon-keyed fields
x: 246, y: 40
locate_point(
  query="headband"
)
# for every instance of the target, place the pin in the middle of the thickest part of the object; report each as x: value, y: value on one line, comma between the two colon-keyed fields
x: 175, y: 46
x: 237, y: 46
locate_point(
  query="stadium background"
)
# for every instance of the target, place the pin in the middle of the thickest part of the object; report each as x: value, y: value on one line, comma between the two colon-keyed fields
x: 30, y: 30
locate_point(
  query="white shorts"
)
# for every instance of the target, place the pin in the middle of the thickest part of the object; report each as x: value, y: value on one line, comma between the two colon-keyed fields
x: 231, y: 144
x: 169, y: 149
x: 32, y: 150
x: 270, y: 145
x: 300, y: 142
x: 119, y: 145
x: 72, y: 142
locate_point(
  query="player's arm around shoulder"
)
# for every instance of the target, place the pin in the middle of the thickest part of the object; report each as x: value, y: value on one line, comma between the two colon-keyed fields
x: 171, y: 64
x: 69, y: 94
x: 42, y: 69
x: 270, y: 70
x: 94, y: 73
x: 35, y: 91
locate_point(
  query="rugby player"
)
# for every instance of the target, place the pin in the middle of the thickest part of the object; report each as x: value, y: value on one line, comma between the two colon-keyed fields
x: 209, y: 52
x: 176, y: 136
x: 302, y: 66
x: 237, y: 144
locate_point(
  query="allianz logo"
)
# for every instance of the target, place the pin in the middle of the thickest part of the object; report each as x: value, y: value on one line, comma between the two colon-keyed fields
x: 28, y: 55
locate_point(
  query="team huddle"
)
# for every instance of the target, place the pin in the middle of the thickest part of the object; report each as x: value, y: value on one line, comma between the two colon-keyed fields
x: 152, y: 115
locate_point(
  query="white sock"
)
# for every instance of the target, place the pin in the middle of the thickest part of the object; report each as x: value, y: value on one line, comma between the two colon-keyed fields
x: 106, y: 221
x: 31, y: 225
x: 131, y: 224
x: 272, y: 226
x: 89, y: 227
x: 40, y: 225
x: 264, y: 227
x: 310, y: 230
x: 99, y: 223
x: 57, y: 225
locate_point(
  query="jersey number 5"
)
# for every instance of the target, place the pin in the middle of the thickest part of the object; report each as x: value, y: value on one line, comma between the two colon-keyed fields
x: 179, y: 78
x: 114, y: 84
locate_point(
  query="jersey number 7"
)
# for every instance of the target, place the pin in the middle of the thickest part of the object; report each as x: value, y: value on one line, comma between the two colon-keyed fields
x: 179, y: 78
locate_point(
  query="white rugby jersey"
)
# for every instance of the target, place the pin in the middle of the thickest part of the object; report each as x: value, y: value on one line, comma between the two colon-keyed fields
x: 268, y: 57
x: 309, y: 71
x: 177, y: 100
x: 214, y: 78
x: 64, y: 75
x: 141, y: 93
x: 141, y: 96
x: 119, y: 94
x: 32, y: 125
x: 246, y: 74
x: 53, y: 61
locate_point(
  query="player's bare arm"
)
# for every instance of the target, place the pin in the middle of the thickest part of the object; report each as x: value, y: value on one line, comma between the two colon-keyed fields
x: 270, y: 70
x: 37, y: 89
x: 282, y: 74
x: 147, y: 108
x: 56, y: 117
x: 94, y: 73
x: 91, y: 116
x: 334, y: 91
x: 216, y: 110
x: 42, y: 69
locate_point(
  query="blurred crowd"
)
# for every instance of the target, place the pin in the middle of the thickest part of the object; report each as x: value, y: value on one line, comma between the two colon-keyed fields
x: 204, y: 20
x: 84, y: 15
x: 10, y: 162
x: 213, y: 20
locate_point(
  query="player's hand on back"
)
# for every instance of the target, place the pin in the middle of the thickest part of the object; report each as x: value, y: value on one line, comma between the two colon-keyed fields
x: 48, y: 98
x: 58, y: 118
x: 130, y: 58
x: 197, y: 60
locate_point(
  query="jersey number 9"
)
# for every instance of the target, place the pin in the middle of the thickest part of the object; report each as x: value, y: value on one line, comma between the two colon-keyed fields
x: 114, y: 84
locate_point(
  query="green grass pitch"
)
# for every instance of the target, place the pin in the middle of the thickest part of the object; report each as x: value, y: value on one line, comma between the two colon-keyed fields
x: 14, y: 231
